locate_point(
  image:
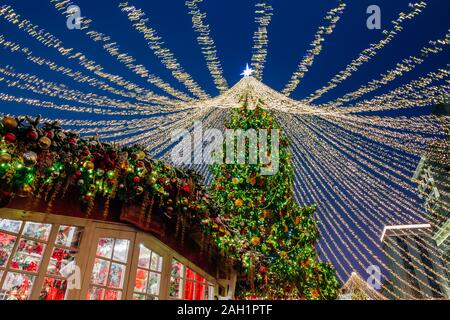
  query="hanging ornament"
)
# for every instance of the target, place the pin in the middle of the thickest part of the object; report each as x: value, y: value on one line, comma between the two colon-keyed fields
x: 44, y: 143
x: 32, y: 134
x: 29, y: 158
x: 255, y: 241
x: 5, y: 158
x: 89, y: 165
x: 9, y: 137
x: 238, y: 203
x: 139, y: 190
x: 140, y: 155
x: 10, y: 123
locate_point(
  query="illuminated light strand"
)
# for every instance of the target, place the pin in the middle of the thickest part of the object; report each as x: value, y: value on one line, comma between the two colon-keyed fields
x: 369, y: 53
x: 160, y: 134
x: 408, y: 93
x: 353, y: 177
x: 405, y: 66
x: 308, y: 187
x: 364, y: 178
x: 327, y: 217
x: 36, y: 85
x: 263, y: 16
x: 365, y: 150
x: 207, y: 45
x: 342, y: 221
x: 385, y: 173
x: 366, y: 222
x: 205, y: 116
x: 65, y: 107
x: 51, y: 41
x: 332, y: 17
x: 408, y: 142
x: 77, y: 76
x: 155, y: 43
x: 400, y: 198
x: 112, y: 48
x: 361, y: 197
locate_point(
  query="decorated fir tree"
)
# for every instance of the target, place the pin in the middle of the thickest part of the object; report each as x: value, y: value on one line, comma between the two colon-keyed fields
x: 269, y: 236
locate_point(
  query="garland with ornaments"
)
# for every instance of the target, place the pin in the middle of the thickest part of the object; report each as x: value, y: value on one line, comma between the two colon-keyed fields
x: 44, y: 161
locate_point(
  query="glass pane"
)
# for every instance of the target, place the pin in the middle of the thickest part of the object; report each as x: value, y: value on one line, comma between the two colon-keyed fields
x: 154, y: 283
x: 39, y: 231
x: 175, y: 288
x: 190, y: 275
x: 189, y: 290
x: 116, y: 276
x: 53, y: 289
x: 177, y: 268
x: 151, y: 298
x: 140, y: 285
x: 6, y: 245
x: 113, y: 295
x: 121, y: 250
x: 144, y: 257
x: 28, y: 255
x: 100, y: 272
x: 199, y: 278
x: 156, y: 262
x: 10, y: 225
x: 69, y: 236
x: 60, y: 261
x: 199, y: 291
x: 96, y: 293
x: 105, y: 247
x: 137, y: 296
x: 17, y: 286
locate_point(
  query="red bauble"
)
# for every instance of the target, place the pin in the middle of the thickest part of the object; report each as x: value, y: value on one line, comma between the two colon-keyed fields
x: 136, y: 179
x: 78, y: 173
x: 9, y: 138
x: 186, y: 188
x: 262, y: 269
x: 32, y: 134
x: 50, y: 134
x: 72, y: 141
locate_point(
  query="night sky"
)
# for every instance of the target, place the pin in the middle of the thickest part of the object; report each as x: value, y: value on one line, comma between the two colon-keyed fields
x: 292, y: 29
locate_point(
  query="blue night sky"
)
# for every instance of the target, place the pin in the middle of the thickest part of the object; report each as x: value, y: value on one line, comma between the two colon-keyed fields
x: 292, y: 29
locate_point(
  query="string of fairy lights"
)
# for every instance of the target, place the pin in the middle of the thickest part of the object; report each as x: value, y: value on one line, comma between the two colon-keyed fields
x: 263, y: 17
x: 332, y: 17
x: 356, y: 163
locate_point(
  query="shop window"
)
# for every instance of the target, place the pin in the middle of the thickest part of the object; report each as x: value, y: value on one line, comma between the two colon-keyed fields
x: 109, y: 271
x: 148, y: 275
x: 187, y: 284
x: 22, y: 246
x: 62, y: 263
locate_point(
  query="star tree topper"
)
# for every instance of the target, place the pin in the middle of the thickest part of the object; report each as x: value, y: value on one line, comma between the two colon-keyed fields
x: 247, y: 72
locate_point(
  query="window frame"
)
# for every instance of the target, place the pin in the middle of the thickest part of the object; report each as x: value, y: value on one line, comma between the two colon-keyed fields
x: 86, y: 253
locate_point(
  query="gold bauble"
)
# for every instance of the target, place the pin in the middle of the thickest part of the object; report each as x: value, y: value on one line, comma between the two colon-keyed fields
x: 44, y: 143
x: 89, y: 165
x: 10, y: 122
x: 140, y: 155
x: 5, y: 158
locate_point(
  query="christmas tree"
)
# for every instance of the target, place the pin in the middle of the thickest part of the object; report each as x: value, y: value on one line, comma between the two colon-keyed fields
x: 268, y: 235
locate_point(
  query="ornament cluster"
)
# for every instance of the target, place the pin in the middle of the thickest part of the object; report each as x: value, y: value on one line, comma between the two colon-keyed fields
x: 43, y: 160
